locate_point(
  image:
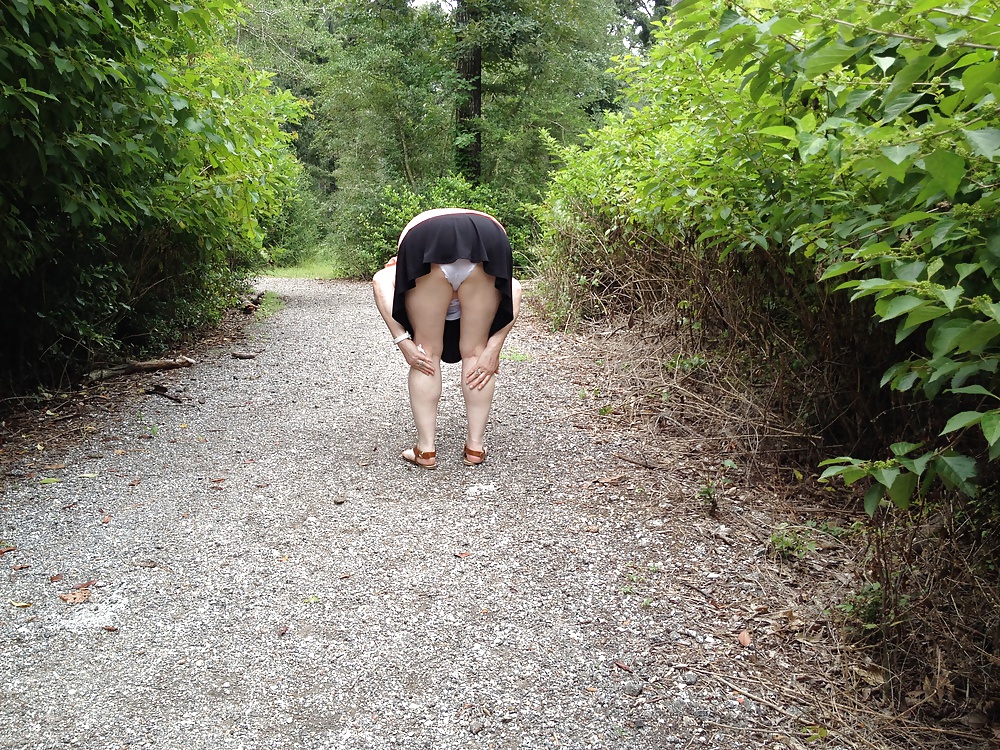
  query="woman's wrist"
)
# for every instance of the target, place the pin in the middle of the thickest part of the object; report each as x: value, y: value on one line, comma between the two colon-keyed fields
x: 401, y: 338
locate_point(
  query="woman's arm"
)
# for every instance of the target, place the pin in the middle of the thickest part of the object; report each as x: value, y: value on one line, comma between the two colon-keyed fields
x: 384, y: 287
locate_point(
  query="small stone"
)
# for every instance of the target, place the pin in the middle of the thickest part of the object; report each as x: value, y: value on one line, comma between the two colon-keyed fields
x: 690, y: 678
x: 633, y: 688
x: 476, y: 726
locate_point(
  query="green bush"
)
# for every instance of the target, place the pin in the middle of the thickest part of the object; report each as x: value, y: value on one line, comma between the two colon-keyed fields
x: 142, y: 162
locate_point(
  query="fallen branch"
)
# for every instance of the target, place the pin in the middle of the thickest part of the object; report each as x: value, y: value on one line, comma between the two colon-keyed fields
x: 150, y: 365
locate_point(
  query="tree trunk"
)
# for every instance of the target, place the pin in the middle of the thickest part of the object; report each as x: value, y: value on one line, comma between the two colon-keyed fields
x: 470, y: 107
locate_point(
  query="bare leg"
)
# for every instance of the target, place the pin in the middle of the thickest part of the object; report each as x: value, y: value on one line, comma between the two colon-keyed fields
x: 427, y: 305
x: 480, y: 300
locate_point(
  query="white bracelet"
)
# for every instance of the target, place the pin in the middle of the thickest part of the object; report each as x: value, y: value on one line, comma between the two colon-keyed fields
x: 400, y: 337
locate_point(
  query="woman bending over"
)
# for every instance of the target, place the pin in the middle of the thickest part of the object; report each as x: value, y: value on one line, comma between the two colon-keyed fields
x: 450, y: 296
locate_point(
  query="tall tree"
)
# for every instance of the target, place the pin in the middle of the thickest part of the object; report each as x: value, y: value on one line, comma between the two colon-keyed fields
x: 469, y: 138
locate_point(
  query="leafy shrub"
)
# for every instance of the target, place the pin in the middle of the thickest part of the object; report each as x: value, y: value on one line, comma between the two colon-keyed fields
x: 142, y: 162
x: 771, y: 155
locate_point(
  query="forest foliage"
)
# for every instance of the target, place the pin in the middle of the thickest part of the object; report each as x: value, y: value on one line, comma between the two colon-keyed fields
x: 143, y: 163
x: 858, y: 145
x: 815, y: 187
x: 384, y: 84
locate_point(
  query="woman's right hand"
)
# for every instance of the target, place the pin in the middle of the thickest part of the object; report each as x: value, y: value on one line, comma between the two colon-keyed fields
x: 416, y: 357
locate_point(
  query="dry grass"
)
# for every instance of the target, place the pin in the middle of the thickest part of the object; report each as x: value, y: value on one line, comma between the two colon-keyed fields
x: 929, y: 679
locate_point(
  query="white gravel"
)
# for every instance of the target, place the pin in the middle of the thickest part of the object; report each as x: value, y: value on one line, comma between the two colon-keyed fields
x: 269, y: 574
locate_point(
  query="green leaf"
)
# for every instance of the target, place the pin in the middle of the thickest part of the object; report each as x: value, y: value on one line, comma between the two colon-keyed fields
x: 902, y: 490
x: 924, y: 314
x: 905, y: 78
x: 965, y: 269
x: 985, y: 141
x: 827, y: 58
x: 856, y: 99
x: 942, y: 338
x: 962, y: 420
x: 974, y: 390
x: 885, y: 167
x: 950, y: 296
x: 947, y: 38
x: 838, y: 269
x: 884, y: 62
x: 923, y: 6
x: 873, y: 497
x: 902, y: 448
x: 898, y: 306
x: 810, y: 145
x: 912, y: 217
x: 899, y: 154
x: 916, y: 465
x: 979, y: 335
x: 885, y: 477
x: 957, y: 471
x: 899, y: 104
x: 780, y: 131
x: 990, y: 425
x: 946, y: 169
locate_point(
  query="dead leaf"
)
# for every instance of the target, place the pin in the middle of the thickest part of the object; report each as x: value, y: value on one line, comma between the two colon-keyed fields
x: 56, y: 578
x: 76, y: 597
x: 53, y: 467
x: 871, y: 674
x: 106, y: 519
x: 344, y: 576
x: 623, y: 666
x: 220, y: 479
x: 21, y: 567
x: 975, y: 720
x: 86, y: 585
x: 744, y: 639
x: 610, y: 479
x: 462, y: 554
x: 591, y: 689
x: 110, y: 628
x: 591, y: 529
x: 5, y: 550
x: 134, y: 482
x: 20, y: 605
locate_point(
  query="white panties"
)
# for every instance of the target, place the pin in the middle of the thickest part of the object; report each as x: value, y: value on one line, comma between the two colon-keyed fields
x: 457, y: 272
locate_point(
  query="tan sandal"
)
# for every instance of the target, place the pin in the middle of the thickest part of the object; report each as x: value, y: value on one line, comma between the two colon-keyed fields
x: 481, y: 455
x: 419, y: 454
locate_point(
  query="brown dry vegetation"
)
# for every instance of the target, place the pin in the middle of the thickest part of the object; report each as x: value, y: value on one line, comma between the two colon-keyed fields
x: 725, y: 362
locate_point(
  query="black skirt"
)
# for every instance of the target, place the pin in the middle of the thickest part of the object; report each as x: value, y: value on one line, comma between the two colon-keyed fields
x: 445, y: 239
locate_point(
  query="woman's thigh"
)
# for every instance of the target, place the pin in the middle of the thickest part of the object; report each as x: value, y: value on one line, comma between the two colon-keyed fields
x: 426, y: 306
x: 480, y: 299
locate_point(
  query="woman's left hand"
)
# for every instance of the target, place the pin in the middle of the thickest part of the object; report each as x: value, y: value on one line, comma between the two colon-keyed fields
x: 486, y: 366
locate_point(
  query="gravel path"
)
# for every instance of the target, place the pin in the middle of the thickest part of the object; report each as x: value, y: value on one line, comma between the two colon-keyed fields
x: 266, y: 573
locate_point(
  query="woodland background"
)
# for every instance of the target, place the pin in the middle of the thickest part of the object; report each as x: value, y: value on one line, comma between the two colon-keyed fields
x: 794, y: 206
